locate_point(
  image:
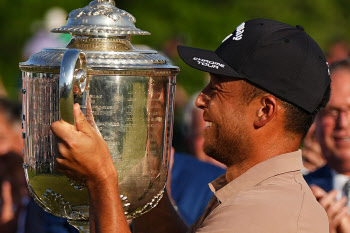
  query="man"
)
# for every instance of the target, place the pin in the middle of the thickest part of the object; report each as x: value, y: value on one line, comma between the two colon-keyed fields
x: 267, y: 81
x: 333, y: 131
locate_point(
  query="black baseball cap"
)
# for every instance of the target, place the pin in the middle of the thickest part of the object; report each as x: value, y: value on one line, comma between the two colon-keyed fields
x: 276, y: 57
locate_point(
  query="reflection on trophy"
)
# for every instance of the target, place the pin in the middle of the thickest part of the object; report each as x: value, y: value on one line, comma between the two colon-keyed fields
x: 127, y: 95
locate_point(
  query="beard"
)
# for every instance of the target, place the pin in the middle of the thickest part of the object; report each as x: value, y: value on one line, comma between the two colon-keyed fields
x: 227, y: 144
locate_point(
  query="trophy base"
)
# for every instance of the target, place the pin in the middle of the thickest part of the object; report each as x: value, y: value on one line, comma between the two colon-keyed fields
x: 82, y: 226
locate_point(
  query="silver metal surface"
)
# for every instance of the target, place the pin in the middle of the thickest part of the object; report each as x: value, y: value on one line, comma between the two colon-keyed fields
x: 114, y: 62
x: 73, y: 74
x: 127, y: 95
x: 134, y: 116
x: 101, y: 18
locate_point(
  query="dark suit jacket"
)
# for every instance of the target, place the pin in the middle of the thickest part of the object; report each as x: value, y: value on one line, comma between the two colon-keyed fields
x: 35, y: 218
x: 38, y: 221
x: 322, y: 178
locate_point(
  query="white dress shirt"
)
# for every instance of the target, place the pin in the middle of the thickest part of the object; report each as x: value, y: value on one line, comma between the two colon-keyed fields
x: 339, y: 181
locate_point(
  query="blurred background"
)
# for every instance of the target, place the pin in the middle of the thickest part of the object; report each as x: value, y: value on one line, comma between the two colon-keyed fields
x: 25, y: 29
x: 25, y: 26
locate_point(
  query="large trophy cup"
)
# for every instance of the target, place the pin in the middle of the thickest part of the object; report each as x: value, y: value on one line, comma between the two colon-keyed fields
x: 127, y: 96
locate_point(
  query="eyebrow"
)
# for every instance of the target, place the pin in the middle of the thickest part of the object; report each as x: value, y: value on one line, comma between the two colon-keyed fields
x: 330, y: 108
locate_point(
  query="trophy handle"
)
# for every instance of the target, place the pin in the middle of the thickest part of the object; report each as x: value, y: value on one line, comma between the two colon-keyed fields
x: 73, y: 79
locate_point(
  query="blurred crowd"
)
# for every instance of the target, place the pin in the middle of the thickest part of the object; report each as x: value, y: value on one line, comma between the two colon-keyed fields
x: 19, y: 213
x: 326, y: 148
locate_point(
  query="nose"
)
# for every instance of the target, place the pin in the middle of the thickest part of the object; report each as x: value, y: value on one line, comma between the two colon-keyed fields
x: 202, y: 101
x: 343, y: 119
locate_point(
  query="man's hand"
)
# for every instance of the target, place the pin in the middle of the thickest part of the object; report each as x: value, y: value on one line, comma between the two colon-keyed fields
x: 84, y: 155
x: 339, y: 220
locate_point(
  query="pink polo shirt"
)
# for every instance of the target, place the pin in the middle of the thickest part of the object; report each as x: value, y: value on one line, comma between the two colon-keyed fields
x: 271, y: 197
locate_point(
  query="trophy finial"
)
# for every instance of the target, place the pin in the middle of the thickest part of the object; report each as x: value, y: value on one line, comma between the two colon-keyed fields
x: 100, y: 18
x: 107, y: 1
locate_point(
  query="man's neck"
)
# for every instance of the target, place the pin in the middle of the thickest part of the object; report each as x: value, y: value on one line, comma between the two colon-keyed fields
x: 236, y: 170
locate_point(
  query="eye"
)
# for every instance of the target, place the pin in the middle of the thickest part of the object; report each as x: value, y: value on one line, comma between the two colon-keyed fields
x: 213, y: 87
x: 330, y: 113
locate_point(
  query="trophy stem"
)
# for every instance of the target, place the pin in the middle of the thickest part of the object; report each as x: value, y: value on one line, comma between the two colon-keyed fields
x: 82, y: 226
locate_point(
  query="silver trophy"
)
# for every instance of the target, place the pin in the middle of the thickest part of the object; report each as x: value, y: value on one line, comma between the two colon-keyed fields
x: 127, y: 95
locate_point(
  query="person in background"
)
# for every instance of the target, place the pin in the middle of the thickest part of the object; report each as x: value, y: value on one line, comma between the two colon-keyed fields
x: 330, y: 183
x: 338, y: 50
x: 181, y: 99
x: 10, y: 127
x: 3, y: 92
x: 18, y: 211
x: 43, y: 37
x: 312, y: 154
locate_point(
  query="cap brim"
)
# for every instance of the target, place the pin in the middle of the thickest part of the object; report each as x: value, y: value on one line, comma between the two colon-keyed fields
x: 206, y: 60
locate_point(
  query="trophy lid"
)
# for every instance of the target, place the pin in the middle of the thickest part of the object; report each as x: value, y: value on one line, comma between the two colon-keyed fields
x: 103, y: 32
x: 100, y: 18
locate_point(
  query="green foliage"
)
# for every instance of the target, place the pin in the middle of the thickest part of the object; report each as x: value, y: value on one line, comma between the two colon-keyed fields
x: 200, y: 23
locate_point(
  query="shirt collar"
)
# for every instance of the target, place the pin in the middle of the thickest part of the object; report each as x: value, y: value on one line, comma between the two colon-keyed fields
x: 271, y: 167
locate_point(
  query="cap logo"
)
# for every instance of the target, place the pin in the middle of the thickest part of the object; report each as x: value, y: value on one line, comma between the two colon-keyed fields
x: 329, y: 72
x: 239, y: 33
x: 208, y: 63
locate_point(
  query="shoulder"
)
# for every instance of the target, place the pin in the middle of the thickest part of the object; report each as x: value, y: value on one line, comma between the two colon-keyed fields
x: 272, y: 206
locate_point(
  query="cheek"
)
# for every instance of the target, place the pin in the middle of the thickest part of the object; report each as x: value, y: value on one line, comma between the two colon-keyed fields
x: 324, y: 131
x: 327, y: 127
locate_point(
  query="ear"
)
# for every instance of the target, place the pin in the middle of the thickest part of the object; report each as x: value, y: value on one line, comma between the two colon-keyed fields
x: 266, y: 111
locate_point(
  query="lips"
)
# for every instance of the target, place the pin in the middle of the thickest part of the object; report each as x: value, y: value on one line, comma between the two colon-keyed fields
x: 342, y: 140
x: 208, y: 123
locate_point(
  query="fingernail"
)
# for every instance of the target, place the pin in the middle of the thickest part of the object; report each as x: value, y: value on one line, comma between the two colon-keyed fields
x: 78, y: 106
